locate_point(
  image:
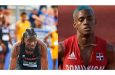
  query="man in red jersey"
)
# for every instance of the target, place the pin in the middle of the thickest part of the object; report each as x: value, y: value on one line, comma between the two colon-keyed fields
x: 84, y: 50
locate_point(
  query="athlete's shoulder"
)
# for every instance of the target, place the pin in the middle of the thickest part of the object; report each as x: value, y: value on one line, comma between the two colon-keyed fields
x: 110, y: 56
x: 17, y: 44
x: 70, y: 39
x: 27, y: 21
x: 99, y: 39
x: 101, y: 42
x: 41, y: 42
x: 18, y: 22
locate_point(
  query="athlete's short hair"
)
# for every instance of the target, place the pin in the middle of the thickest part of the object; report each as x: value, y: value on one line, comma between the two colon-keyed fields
x: 83, y: 7
x: 23, y: 13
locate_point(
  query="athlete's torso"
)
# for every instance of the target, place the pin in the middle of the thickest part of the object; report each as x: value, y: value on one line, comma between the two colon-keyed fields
x: 28, y: 60
x: 72, y: 58
x: 54, y: 38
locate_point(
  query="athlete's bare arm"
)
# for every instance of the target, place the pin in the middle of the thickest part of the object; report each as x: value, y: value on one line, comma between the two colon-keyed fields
x: 3, y: 47
x: 46, y: 38
x: 14, y: 56
x: 2, y: 59
x: 44, y: 61
x: 111, y: 57
x: 16, y: 29
x: 60, y: 53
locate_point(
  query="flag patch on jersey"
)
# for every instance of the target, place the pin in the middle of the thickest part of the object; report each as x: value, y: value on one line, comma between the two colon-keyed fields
x: 99, y: 56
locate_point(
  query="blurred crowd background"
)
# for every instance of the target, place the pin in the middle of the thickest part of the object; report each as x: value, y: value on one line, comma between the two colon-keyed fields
x: 14, y: 20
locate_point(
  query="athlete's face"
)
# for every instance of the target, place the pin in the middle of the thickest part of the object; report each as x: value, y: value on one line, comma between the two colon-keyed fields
x: 30, y: 43
x: 23, y: 17
x: 84, y: 22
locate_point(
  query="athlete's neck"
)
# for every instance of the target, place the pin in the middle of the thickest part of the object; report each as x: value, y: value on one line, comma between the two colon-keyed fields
x: 23, y: 21
x: 86, y: 40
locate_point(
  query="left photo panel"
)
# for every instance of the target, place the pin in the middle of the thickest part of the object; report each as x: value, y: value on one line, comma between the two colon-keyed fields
x: 28, y: 37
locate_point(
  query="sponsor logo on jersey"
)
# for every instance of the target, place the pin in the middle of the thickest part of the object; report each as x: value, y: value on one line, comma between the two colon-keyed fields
x: 72, y: 56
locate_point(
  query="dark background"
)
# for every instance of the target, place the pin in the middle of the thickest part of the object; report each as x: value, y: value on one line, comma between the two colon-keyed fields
x: 105, y: 27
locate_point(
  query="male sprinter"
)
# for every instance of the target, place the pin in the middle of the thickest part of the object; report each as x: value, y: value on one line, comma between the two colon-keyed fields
x: 30, y: 53
x: 84, y: 50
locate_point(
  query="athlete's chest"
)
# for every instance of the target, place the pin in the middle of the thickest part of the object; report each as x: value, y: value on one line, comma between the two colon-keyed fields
x: 29, y: 59
x: 95, y: 58
x: 85, y: 54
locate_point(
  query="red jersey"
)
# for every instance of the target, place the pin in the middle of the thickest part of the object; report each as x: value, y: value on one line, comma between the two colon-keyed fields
x: 73, y: 61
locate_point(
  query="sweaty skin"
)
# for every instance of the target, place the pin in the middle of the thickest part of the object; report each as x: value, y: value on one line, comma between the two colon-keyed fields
x: 15, y: 54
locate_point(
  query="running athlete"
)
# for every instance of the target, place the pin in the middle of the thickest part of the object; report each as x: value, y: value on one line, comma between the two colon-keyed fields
x: 30, y: 53
x: 54, y: 46
x: 84, y: 50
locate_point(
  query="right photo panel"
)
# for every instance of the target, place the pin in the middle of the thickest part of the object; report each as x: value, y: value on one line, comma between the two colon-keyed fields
x: 86, y: 37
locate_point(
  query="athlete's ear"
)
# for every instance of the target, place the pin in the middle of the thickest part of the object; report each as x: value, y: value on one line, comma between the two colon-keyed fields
x: 74, y: 24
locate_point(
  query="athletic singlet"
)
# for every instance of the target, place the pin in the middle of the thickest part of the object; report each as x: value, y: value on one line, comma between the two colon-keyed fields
x: 5, y: 37
x: 54, y: 40
x: 73, y: 61
x: 21, y: 28
x: 28, y: 61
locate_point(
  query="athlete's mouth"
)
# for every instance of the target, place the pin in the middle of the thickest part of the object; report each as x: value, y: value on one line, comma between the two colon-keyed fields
x: 87, y: 28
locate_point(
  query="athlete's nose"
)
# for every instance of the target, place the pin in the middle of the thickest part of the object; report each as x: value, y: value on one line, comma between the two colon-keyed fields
x: 85, y: 22
x: 32, y: 43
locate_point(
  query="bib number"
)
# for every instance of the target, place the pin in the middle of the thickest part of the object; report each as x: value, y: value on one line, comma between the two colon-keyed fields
x: 29, y: 64
x: 5, y: 37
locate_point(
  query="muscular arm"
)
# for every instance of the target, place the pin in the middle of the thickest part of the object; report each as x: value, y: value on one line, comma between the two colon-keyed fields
x: 2, y: 59
x: 44, y: 61
x: 60, y: 53
x: 111, y: 57
x: 4, y: 48
x: 14, y: 56
x: 35, y: 17
x: 46, y: 38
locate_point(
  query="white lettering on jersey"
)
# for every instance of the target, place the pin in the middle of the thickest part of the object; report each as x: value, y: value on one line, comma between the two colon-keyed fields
x: 82, y: 67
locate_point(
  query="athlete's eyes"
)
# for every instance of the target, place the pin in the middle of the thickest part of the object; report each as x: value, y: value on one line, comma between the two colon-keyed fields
x: 89, y: 18
x: 81, y: 19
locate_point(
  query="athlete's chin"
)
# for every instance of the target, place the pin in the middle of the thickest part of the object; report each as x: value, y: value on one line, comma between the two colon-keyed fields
x: 87, y: 33
x: 31, y: 48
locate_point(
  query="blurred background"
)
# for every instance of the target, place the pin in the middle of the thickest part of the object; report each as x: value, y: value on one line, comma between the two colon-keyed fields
x: 105, y: 17
x: 42, y: 18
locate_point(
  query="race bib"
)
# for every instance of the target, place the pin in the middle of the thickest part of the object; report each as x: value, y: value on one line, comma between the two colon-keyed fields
x: 5, y: 31
x: 5, y: 37
x: 29, y: 64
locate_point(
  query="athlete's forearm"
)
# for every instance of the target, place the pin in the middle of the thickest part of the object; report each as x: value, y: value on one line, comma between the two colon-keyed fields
x: 13, y: 64
x: 44, y: 64
x: 1, y: 66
